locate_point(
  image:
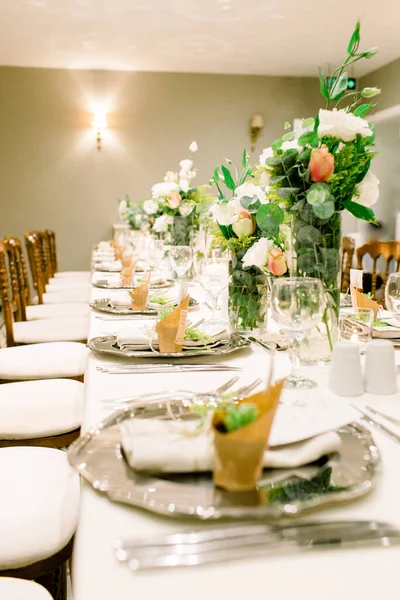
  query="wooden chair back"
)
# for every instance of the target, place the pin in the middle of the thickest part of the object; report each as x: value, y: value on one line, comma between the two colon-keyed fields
x: 389, y: 251
x: 36, y: 262
x: 348, y: 249
x: 10, y: 302
x: 51, y: 239
x: 18, y: 259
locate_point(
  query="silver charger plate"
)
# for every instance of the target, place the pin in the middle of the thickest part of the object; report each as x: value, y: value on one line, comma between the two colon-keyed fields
x: 107, y: 344
x: 98, y: 457
x: 103, y: 305
x: 102, y: 283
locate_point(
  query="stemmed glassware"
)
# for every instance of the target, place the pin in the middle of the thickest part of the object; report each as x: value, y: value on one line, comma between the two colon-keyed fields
x: 156, y: 251
x: 180, y: 258
x: 213, y: 277
x: 298, y: 305
x: 392, y: 294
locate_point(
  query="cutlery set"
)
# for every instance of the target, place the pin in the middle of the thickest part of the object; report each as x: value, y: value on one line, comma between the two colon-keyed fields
x: 377, y: 424
x: 165, y: 368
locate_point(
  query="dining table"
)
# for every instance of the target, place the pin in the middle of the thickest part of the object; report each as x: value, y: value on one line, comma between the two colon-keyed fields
x: 361, y: 573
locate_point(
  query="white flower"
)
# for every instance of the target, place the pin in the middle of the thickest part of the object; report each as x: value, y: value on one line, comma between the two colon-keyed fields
x: 265, y: 179
x: 138, y: 220
x: 186, y: 208
x: 266, y: 153
x: 122, y: 207
x: 290, y: 144
x: 250, y: 190
x: 257, y: 255
x: 343, y: 125
x: 226, y: 213
x: 171, y: 176
x: 163, y: 189
x: 161, y: 223
x: 186, y: 165
x: 184, y: 185
x: 150, y: 207
x: 193, y: 147
x: 367, y: 191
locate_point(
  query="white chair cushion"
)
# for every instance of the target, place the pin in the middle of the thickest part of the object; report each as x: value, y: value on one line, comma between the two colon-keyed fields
x: 22, y: 589
x: 61, y: 329
x: 32, y: 409
x: 75, y: 274
x: 67, y: 297
x: 43, y: 361
x: 51, y: 311
x: 60, y: 286
x: 39, y: 504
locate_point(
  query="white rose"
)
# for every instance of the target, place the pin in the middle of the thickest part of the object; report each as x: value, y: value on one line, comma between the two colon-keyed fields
x: 343, y: 125
x: 161, y: 223
x: 257, y: 255
x: 184, y: 185
x: 163, y: 189
x: 150, y: 207
x: 186, y: 208
x: 170, y: 176
x: 193, y: 147
x: 250, y: 190
x: 367, y: 192
x: 290, y: 144
x: 266, y: 153
x: 226, y: 213
x: 186, y: 165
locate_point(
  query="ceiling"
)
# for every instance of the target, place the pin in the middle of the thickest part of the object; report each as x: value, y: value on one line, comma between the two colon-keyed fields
x: 265, y: 37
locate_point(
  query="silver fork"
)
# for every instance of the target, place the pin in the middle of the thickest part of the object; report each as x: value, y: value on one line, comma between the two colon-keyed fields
x: 383, y: 416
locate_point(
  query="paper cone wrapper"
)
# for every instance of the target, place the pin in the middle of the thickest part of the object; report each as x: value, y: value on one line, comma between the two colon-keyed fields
x: 171, y: 329
x: 127, y: 260
x: 238, y: 456
x: 118, y: 250
x: 359, y: 300
x: 140, y: 294
x: 127, y: 273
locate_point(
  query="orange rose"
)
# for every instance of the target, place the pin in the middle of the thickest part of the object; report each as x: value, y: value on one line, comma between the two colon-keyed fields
x: 173, y: 200
x: 277, y: 262
x: 321, y: 165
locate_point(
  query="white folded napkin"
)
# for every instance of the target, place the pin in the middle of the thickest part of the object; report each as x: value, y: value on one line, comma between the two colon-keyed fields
x: 112, y: 265
x: 390, y: 327
x: 180, y: 447
x: 100, y: 255
x: 133, y: 338
x: 120, y: 300
x: 104, y: 246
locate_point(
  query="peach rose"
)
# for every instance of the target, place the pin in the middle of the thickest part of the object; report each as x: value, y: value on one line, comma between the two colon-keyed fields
x: 244, y: 225
x: 173, y: 200
x: 277, y: 262
x: 321, y: 165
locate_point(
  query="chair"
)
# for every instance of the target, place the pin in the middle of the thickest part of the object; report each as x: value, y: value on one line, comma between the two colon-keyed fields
x: 85, y: 275
x: 389, y: 251
x: 39, y: 507
x: 348, y: 249
x: 30, y: 311
x: 39, y: 264
x: 68, y: 329
x: 21, y: 589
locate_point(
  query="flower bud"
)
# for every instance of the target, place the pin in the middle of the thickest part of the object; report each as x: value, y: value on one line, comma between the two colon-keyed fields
x: 370, y: 92
x: 277, y: 262
x: 321, y: 165
x: 244, y: 225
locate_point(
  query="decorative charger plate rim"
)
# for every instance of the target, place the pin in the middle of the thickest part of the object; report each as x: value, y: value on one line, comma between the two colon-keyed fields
x: 104, y: 286
x: 124, y: 490
x: 106, y: 345
x: 101, y: 304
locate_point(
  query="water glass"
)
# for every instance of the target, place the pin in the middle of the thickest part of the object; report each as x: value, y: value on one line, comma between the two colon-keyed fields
x: 355, y: 325
x: 392, y: 293
x: 298, y: 305
x: 213, y: 277
x: 180, y: 258
x: 156, y: 251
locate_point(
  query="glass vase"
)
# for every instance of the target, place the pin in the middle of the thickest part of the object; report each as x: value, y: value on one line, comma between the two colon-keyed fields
x: 317, y: 248
x: 182, y: 230
x: 247, y: 297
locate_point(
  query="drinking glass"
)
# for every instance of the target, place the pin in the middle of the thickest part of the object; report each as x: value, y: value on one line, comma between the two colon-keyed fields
x: 392, y: 293
x: 298, y: 305
x: 214, y: 277
x: 356, y: 325
x: 180, y: 258
x: 156, y: 251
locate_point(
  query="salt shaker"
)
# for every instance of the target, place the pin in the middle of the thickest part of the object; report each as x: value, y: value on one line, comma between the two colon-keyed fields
x: 345, y: 378
x: 380, y: 368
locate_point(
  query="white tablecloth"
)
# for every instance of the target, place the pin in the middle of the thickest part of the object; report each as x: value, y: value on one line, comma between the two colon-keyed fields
x: 358, y: 573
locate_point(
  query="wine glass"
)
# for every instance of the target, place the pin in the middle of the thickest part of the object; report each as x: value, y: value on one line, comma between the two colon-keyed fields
x: 180, y: 258
x: 213, y: 277
x: 392, y: 294
x: 156, y: 251
x: 298, y: 305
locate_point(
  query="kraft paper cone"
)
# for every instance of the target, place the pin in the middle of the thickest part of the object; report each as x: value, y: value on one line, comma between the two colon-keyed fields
x: 118, y: 251
x: 127, y: 260
x: 359, y: 300
x: 140, y: 294
x: 238, y: 459
x: 127, y: 273
x: 171, y: 329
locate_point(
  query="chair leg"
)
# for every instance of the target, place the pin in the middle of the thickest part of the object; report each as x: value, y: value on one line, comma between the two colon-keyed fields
x: 55, y: 582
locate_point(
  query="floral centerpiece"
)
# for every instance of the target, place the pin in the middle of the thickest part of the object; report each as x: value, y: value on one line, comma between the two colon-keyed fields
x: 258, y: 248
x: 313, y: 177
x: 177, y: 206
x: 133, y: 214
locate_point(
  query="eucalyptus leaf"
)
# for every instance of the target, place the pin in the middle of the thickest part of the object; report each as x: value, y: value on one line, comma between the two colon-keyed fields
x: 325, y: 210
x: 306, y: 262
x: 318, y: 193
x: 269, y: 218
x: 276, y: 144
x: 288, y: 136
x: 298, y: 205
x: 277, y: 178
x: 310, y: 137
x: 287, y: 125
x: 308, y: 122
x: 309, y: 235
x: 250, y: 204
x: 230, y: 184
x: 273, y: 161
x: 286, y: 192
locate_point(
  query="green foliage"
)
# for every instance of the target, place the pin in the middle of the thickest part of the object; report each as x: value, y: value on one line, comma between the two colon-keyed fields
x: 160, y: 299
x: 197, y: 336
x: 269, y: 219
x: 238, y: 416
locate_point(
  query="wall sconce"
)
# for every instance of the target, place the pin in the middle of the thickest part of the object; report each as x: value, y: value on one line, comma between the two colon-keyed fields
x: 99, y: 122
x: 256, y: 126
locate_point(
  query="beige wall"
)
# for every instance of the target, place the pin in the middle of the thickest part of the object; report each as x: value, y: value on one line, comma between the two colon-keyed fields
x: 51, y: 174
x: 388, y: 79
